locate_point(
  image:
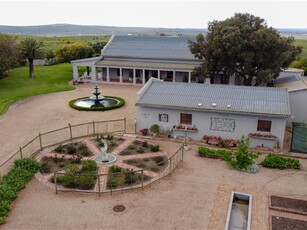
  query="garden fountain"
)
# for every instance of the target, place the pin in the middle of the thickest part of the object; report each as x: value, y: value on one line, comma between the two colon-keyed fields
x: 97, y: 102
x: 104, y: 157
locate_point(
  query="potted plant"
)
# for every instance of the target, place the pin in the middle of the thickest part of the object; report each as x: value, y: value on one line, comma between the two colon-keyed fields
x: 155, y: 129
x: 144, y: 132
x: 276, y: 147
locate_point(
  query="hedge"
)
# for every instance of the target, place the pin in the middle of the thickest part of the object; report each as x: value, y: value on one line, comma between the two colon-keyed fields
x: 14, y: 181
x: 120, y: 104
x: 280, y: 162
x: 215, y: 153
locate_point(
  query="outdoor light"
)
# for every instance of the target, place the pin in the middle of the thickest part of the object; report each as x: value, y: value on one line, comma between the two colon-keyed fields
x: 199, y: 104
x: 213, y: 104
x: 228, y: 106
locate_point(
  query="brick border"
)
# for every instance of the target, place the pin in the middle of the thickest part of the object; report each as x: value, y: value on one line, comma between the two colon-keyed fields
x: 282, y: 209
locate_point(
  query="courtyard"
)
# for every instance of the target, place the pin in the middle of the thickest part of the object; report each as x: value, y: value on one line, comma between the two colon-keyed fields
x: 195, y: 196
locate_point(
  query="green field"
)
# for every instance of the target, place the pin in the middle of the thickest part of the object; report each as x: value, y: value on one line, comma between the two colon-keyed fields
x: 303, y: 43
x: 47, y: 79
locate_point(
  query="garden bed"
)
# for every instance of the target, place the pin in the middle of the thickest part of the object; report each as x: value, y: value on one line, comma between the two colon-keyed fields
x: 120, y: 177
x: 155, y: 164
x: 289, y: 204
x: 74, y: 148
x: 282, y: 223
x: 139, y: 147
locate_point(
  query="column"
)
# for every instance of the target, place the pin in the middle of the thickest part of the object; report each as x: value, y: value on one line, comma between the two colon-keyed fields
x: 134, y: 77
x: 189, y: 77
x: 120, y: 75
x: 108, y: 74
x: 94, y: 73
x: 174, y: 75
x: 158, y: 74
x: 143, y: 78
x: 232, y: 79
x: 75, y: 72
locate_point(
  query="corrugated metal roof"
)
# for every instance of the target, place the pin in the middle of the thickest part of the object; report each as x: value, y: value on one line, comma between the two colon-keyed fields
x: 227, y: 98
x: 292, y: 83
x: 150, y: 47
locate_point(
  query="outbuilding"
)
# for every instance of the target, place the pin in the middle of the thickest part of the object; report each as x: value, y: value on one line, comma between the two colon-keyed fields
x: 226, y: 111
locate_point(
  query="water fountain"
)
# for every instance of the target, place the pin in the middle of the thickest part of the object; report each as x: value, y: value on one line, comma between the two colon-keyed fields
x: 97, y: 102
x: 104, y: 157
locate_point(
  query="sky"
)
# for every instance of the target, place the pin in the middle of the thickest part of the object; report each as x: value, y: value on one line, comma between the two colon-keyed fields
x: 146, y: 13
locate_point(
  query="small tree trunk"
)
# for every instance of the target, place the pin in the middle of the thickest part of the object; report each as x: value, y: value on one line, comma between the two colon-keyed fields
x: 31, y: 68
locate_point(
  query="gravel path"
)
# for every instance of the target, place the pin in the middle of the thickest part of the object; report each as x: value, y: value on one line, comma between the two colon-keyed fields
x: 195, y: 196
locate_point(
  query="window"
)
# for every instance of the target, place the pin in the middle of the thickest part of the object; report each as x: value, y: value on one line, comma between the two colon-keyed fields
x: 118, y: 71
x: 264, y: 126
x: 163, y: 117
x: 186, y: 118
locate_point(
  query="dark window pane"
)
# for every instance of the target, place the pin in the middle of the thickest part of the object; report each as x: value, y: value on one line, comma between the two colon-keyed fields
x: 264, y: 126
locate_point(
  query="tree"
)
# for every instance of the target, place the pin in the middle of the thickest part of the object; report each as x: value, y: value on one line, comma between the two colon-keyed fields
x: 245, y: 46
x: 31, y: 49
x: 9, y: 53
x: 68, y: 53
x: 301, y: 63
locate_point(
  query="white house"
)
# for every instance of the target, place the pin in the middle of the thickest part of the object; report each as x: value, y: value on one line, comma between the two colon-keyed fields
x: 135, y: 59
x: 227, y: 111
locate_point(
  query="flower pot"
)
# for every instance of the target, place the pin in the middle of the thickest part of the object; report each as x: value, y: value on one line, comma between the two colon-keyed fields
x: 275, y: 150
x: 186, y: 147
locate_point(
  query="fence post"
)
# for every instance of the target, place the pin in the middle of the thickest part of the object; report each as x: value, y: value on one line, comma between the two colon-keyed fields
x: 40, y: 141
x: 99, y: 184
x: 20, y: 149
x: 93, y: 128
x: 70, y: 131
x: 56, y: 185
x: 182, y: 152
x: 142, y: 179
x: 125, y: 126
x: 170, y: 166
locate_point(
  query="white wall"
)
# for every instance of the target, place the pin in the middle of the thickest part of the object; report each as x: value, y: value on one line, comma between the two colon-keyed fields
x: 244, y: 124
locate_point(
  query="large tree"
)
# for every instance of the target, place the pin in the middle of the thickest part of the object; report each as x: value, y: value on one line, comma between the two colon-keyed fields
x: 243, y: 45
x: 9, y: 53
x: 31, y: 49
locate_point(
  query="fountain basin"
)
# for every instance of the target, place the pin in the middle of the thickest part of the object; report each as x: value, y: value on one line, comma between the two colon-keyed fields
x: 100, y: 159
x: 102, y: 104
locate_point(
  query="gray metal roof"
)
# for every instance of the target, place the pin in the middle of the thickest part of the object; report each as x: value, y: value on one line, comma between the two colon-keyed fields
x: 227, y: 98
x: 149, y: 47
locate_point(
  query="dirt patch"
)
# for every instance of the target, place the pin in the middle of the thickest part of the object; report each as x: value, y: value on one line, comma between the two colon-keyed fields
x: 282, y: 223
x: 289, y: 203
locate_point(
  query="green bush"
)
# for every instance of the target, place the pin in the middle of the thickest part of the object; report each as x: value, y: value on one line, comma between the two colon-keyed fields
x: 215, y: 153
x: 155, y: 128
x: 280, y: 162
x: 89, y: 166
x: 59, y: 149
x: 140, y: 150
x: 71, y: 150
x: 15, y: 180
x: 155, y: 148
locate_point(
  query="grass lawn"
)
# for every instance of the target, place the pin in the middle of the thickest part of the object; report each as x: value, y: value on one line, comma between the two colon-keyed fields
x: 48, y: 79
x: 303, y: 43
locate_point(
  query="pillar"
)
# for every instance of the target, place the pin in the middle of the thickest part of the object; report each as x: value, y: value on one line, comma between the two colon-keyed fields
x: 158, y: 74
x: 134, y: 77
x: 143, y: 78
x: 120, y: 75
x: 75, y: 72
x: 94, y: 73
x: 108, y: 74
x: 174, y: 75
x: 189, y: 77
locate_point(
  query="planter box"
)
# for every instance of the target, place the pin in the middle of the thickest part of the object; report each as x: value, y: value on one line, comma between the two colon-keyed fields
x: 239, y: 211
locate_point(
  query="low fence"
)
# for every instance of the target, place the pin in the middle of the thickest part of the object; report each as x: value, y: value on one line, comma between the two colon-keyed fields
x: 58, y: 136
x: 118, y: 181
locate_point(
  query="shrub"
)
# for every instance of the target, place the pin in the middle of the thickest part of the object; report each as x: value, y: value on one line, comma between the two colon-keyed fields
x: 155, y: 148
x: 112, y: 144
x: 159, y: 160
x: 140, y: 150
x: 115, y: 169
x: 59, y: 149
x: 145, y: 144
x: 89, y: 166
x: 109, y: 137
x: 15, y: 180
x: 212, y: 153
x: 45, y: 167
x: 85, y: 152
x: 131, y: 147
x: 155, y: 128
x: 71, y: 150
x: 280, y: 162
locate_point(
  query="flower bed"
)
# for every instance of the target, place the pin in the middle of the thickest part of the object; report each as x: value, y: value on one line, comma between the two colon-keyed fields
x: 155, y: 164
x: 219, y: 141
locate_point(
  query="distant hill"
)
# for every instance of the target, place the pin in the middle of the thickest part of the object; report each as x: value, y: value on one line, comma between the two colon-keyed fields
x: 74, y: 30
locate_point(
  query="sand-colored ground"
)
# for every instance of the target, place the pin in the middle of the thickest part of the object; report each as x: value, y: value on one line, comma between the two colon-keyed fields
x: 195, y: 196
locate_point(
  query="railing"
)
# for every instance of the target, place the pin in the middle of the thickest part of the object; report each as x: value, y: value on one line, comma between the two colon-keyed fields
x: 58, y: 136
x: 101, y: 188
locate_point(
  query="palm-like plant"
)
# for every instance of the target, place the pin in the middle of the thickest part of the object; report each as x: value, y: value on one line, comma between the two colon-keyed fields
x: 31, y: 49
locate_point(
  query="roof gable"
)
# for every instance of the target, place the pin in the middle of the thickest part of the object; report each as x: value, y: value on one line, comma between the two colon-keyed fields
x: 216, y: 98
